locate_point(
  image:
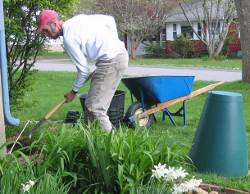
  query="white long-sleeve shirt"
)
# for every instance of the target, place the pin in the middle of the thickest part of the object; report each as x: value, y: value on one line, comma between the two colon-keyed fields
x: 90, y: 37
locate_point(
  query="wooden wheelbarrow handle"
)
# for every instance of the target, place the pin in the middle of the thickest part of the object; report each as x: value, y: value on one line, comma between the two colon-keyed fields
x: 204, y: 89
x: 169, y: 103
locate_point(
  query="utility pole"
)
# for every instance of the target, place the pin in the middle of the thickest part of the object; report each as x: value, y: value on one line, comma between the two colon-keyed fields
x: 2, y: 124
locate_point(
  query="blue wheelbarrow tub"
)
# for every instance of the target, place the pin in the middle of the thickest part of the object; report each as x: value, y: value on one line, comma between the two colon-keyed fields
x: 157, y: 89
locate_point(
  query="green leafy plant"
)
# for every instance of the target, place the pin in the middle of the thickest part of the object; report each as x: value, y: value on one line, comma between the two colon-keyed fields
x: 20, y: 174
x: 183, y: 46
x: 101, y: 165
x: 135, y: 152
x: 153, y: 186
x: 154, y: 49
x: 89, y: 160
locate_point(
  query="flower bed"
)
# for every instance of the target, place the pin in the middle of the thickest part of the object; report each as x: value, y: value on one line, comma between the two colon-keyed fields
x: 222, y: 190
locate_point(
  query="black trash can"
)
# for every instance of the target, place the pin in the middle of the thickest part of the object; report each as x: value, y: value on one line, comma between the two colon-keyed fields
x: 72, y: 117
x: 116, y: 108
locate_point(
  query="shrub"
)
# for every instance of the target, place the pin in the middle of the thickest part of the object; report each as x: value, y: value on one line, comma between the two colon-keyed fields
x: 183, y: 46
x: 229, y: 40
x: 154, y: 49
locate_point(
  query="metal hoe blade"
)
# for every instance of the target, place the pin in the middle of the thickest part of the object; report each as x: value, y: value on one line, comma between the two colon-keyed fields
x: 43, y: 120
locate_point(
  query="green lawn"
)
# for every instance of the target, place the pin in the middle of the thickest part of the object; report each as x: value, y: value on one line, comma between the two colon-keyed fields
x: 193, y: 62
x: 49, y: 88
x: 202, y: 62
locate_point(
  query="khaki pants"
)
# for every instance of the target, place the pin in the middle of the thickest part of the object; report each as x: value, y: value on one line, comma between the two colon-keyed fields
x: 104, y: 83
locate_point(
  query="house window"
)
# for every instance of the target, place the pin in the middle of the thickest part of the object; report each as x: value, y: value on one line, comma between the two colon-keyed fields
x: 199, y: 29
x: 174, y: 31
x: 217, y: 30
x: 163, y: 35
x: 187, y: 31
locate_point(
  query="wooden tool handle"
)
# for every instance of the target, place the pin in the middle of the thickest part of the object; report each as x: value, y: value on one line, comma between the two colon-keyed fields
x: 49, y: 114
x: 205, y: 89
x: 169, y: 103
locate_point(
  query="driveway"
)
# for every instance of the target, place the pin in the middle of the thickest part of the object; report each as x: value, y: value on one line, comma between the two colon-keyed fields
x: 143, y: 70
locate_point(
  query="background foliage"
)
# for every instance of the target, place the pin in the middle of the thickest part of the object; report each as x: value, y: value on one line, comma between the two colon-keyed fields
x: 155, y: 49
x: 23, y: 42
x: 183, y: 46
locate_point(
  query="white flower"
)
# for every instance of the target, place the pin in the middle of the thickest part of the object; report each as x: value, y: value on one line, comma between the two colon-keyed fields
x: 173, y: 174
x: 168, y: 174
x: 159, y: 171
x: 26, y: 187
x: 186, y: 186
x: 31, y: 183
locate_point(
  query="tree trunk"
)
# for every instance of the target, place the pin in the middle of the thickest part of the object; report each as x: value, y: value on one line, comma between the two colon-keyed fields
x: 134, y: 45
x: 210, y: 51
x: 133, y: 53
x: 125, y: 36
x: 243, y: 10
x: 133, y: 49
x: 219, y: 48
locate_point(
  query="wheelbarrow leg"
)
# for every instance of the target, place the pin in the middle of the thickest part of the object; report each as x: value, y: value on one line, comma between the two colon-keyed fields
x: 180, y: 113
x: 169, y: 114
x: 131, y: 97
x: 142, y: 99
x: 184, y: 113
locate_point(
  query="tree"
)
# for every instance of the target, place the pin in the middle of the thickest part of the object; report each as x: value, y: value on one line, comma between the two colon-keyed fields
x: 215, y: 17
x: 137, y: 19
x: 183, y: 46
x: 85, y: 6
x: 23, y: 43
x: 243, y: 10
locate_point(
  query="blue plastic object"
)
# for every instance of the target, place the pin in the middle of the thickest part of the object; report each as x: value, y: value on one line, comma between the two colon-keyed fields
x: 4, y: 74
x: 157, y: 89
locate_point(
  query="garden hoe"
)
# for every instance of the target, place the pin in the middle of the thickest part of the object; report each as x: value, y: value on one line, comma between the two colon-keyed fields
x: 49, y: 114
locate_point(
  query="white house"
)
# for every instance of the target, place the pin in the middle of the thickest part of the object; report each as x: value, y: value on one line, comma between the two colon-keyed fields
x: 177, y: 24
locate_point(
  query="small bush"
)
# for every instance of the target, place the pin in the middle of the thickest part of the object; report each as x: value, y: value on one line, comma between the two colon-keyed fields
x: 183, y: 46
x: 229, y: 40
x: 155, y: 49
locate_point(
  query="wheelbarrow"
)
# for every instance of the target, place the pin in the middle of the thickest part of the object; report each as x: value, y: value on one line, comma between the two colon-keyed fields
x: 158, y: 93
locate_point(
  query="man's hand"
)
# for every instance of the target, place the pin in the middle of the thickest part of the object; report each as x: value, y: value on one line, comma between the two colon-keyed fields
x: 70, y: 96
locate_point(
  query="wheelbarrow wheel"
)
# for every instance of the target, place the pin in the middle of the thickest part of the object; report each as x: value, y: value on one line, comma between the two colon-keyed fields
x: 131, y: 116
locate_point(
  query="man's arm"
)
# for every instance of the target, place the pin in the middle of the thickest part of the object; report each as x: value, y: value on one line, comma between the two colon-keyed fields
x: 74, y: 51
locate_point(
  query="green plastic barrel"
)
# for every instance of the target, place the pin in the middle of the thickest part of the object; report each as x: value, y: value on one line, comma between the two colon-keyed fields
x: 220, y: 143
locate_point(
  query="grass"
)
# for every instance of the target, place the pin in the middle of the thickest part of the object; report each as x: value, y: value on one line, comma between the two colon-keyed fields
x: 203, y: 62
x: 49, y: 88
x: 192, y: 62
x: 52, y: 55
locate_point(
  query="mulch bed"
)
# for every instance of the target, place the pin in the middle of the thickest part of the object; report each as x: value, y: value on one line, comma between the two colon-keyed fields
x: 222, y: 190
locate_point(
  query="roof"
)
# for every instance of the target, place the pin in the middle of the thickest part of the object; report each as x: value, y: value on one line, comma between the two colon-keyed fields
x: 195, y: 9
